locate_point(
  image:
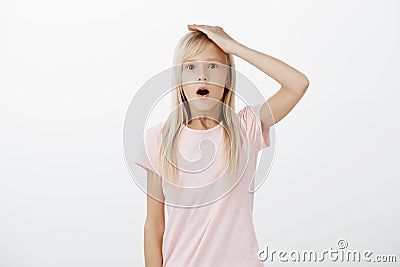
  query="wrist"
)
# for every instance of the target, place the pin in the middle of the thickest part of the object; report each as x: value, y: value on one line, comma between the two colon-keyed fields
x: 234, y: 47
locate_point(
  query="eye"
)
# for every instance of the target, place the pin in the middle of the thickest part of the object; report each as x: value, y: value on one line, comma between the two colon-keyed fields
x: 212, y: 65
x: 190, y: 66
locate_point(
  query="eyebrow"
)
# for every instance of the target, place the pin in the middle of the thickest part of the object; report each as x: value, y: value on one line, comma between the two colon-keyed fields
x: 207, y: 59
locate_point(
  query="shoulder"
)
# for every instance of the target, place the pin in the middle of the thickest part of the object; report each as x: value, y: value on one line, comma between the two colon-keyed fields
x: 153, y: 132
x: 147, y: 155
x: 249, y: 117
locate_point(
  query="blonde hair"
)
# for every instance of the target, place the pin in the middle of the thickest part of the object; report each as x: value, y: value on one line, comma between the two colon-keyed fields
x: 191, y: 44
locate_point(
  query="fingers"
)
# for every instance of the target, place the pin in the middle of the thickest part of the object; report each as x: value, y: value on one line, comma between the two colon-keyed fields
x: 196, y: 27
x: 192, y: 27
x: 202, y: 27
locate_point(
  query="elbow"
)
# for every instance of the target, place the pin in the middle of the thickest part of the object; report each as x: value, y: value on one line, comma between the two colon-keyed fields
x: 304, y: 84
x: 300, y: 86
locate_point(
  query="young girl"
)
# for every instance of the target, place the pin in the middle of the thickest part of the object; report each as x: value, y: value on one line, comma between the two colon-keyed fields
x: 212, y: 226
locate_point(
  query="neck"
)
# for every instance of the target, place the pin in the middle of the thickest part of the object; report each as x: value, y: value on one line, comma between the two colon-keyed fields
x: 203, y: 120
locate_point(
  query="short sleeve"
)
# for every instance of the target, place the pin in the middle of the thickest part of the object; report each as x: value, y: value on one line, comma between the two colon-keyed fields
x: 250, y: 118
x: 146, y: 157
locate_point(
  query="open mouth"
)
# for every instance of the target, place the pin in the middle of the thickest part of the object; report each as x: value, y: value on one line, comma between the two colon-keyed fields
x: 202, y: 92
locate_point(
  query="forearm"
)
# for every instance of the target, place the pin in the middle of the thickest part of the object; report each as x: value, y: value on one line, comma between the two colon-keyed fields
x: 281, y: 72
x: 153, y: 246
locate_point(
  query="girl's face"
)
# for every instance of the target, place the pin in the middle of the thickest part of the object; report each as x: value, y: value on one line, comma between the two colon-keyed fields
x: 204, y: 77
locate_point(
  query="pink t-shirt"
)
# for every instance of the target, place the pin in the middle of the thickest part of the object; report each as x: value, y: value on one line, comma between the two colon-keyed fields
x: 221, y: 233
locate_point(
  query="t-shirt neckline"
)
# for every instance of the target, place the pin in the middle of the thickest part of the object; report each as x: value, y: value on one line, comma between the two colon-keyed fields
x: 219, y: 125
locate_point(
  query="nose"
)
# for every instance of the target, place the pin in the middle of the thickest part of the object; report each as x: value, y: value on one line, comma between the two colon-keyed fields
x: 202, y: 77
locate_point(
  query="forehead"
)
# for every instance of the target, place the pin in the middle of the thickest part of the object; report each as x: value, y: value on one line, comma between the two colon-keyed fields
x: 211, y: 53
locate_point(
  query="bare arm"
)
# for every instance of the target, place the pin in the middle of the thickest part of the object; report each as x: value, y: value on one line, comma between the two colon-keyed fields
x: 155, y: 222
x: 293, y: 83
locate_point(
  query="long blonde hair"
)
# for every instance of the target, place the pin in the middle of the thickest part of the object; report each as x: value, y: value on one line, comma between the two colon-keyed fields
x: 191, y: 44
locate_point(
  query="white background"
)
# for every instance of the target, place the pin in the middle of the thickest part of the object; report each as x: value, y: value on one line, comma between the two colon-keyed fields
x: 69, y: 69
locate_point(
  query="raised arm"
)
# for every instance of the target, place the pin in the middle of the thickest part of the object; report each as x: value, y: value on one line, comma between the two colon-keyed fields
x: 293, y: 83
